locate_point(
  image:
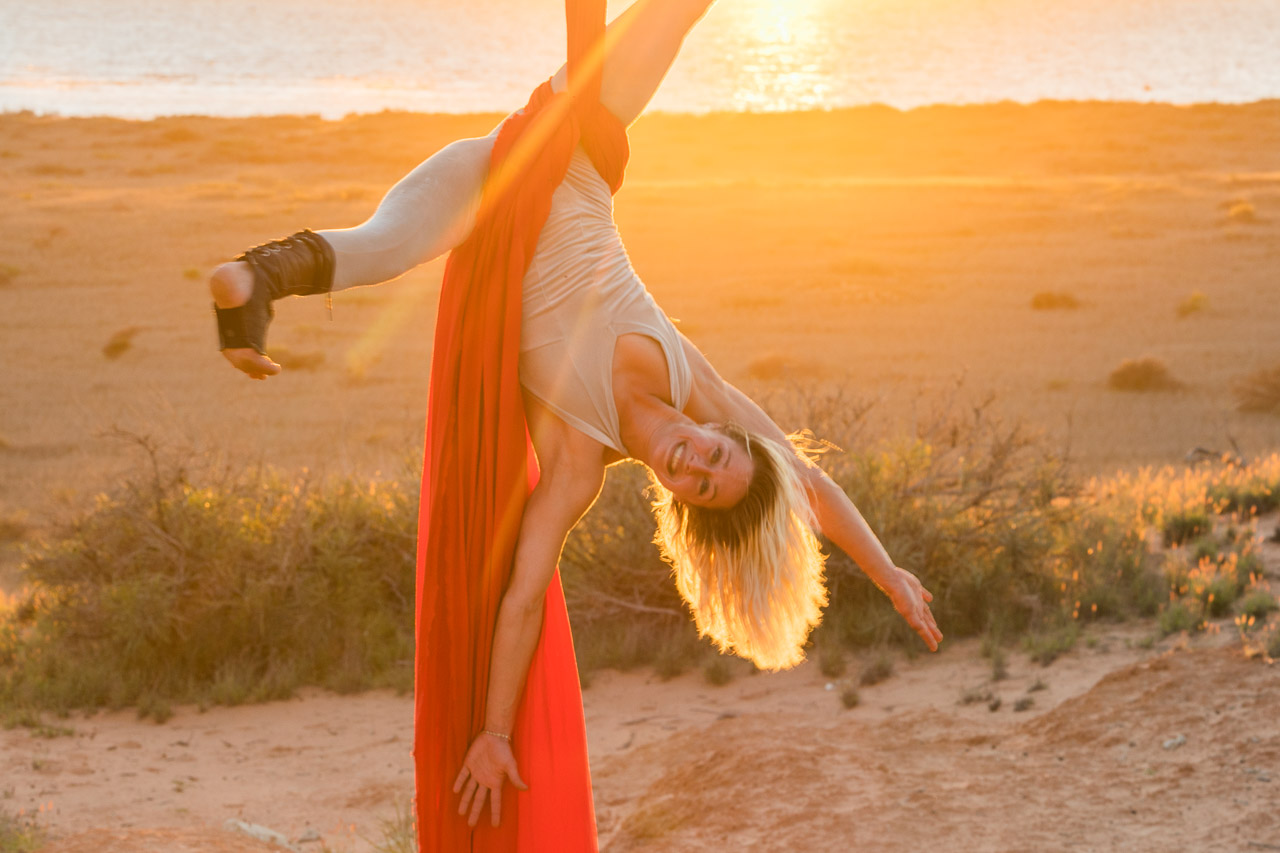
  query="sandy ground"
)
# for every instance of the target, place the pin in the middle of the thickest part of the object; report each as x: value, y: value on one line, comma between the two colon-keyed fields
x: 767, y: 762
x: 891, y: 254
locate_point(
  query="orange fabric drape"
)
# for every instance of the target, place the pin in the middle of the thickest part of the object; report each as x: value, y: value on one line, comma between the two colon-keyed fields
x: 477, y: 472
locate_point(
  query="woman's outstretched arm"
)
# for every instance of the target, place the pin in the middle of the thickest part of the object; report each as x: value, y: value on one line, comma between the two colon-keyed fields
x: 716, y: 400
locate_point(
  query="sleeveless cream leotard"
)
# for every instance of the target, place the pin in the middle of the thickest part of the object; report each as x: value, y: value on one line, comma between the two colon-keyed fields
x: 580, y: 293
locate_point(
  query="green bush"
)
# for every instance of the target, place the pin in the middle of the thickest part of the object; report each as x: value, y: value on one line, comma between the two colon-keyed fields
x: 1177, y: 617
x: 1183, y: 527
x: 235, y: 591
x: 19, y: 834
x: 1259, y: 604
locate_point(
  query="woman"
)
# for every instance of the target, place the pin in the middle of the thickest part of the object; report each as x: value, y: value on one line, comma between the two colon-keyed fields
x: 605, y: 377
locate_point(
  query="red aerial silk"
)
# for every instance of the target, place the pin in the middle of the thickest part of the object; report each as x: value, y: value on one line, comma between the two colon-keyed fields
x: 478, y: 470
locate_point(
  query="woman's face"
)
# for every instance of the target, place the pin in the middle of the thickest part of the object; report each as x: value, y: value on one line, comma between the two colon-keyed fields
x: 702, y: 465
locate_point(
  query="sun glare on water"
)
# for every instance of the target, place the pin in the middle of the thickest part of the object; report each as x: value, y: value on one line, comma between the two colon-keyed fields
x: 775, y: 51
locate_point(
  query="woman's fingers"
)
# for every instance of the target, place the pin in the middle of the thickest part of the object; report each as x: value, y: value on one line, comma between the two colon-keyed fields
x: 495, y: 806
x: 251, y: 362
x: 457, y: 786
x: 477, y: 806
x: 467, y: 794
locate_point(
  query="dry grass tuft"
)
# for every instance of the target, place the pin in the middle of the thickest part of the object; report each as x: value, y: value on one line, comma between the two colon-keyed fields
x: 768, y: 368
x: 55, y: 170
x: 13, y: 528
x: 1054, y: 300
x: 1194, y: 304
x: 192, y: 274
x: 8, y: 272
x: 120, y: 343
x: 1259, y: 391
x: 1142, y: 374
x: 1241, y: 212
x: 877, y: 671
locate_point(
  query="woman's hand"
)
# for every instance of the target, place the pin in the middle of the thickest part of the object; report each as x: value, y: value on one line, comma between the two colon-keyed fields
x: 251, y: 362
x: 489, y: 761
x: 911, y: 600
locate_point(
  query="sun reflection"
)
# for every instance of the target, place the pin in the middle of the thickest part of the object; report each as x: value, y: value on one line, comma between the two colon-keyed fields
x: 783, y: 60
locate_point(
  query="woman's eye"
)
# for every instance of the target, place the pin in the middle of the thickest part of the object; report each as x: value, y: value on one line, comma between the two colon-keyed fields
x: 716, y: 454
x: 704, y: 486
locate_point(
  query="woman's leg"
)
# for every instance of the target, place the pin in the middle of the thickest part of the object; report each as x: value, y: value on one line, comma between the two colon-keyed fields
x: 640, y: 45
x: 431, y: 210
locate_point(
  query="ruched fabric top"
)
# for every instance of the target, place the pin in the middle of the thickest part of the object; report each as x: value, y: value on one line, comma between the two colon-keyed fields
x: 580, y: 293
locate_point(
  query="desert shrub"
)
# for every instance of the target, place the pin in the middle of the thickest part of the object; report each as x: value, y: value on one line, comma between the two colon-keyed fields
x: 1045, y: 648
x: 1024, y: 703
x: 1249, y: 498
x: 1182, y: 527
x: 1054, y: 300
x: 831, y: 661
x: 1142, y: 374
x: 8, y: 272
x: 1195, y: 303
x: 999, y: 666
x: 849, y: 697
x: 225, y: 587
x: 768, y: 368
x: 239, y: 589
x: 20, y: 834
x: 13, y: 528
x: 1259, y: 391
x: 1177, y: 617
x: 1259, y: 604
x: 1241, y: 211
x: 876, y: 671
x: 718, y: 672
x: 399, y: 833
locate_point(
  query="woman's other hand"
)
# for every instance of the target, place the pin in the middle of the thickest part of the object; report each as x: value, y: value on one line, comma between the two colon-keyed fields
x: 911, y: 600
x: 489, y: 761
x: 251, y: 362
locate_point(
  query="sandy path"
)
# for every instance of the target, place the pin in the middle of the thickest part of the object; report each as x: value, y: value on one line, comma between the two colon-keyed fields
x: 768, y: 762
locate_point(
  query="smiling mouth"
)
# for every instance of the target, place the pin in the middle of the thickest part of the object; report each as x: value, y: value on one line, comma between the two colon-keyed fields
x: 677, y: 457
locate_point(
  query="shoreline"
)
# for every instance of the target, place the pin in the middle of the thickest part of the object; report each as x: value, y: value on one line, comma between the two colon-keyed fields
x: 36, y: 113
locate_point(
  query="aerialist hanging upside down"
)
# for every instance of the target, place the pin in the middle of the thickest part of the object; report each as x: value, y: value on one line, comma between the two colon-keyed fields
x: 543, y: 322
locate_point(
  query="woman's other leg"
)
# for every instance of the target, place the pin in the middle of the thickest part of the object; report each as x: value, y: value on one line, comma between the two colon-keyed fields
x: 640, y: 46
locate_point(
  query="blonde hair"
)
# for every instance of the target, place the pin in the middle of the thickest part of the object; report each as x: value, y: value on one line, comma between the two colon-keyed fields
x: 752, y: 574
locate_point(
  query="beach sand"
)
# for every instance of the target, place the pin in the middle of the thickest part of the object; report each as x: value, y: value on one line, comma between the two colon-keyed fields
x: 891, y: 254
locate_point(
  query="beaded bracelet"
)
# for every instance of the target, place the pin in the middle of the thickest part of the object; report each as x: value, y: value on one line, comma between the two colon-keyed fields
x: 507, y: 738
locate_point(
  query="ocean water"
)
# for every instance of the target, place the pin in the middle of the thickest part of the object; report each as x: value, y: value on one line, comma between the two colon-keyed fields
x: 143, y: 58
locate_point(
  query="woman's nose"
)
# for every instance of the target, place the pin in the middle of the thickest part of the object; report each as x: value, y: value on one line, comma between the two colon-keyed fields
x: 697, y: 462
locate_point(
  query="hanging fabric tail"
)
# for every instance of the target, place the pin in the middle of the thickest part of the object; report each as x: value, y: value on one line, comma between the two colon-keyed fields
x: 477, y: 473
